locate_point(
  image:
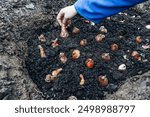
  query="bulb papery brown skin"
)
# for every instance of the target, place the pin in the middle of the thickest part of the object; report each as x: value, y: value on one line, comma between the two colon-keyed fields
x: 83, y: 42
x: 42, y: 38
x: 106, y: 56
x: 89, y: 63
x: 56, y: 72
x: 136, y: 55
x: 76, y: 30
x: 49, y: 78
x: 55, y: 43
x: 82, y: 80
x: 42, y: 51
x: 114, y: 47
x: 100, y: 37
x: 76, y: 54
x: 63, y: 57
x: 138, y: 39
x: 64, y: 33
x: 103, y: 81
x: 103, y: 29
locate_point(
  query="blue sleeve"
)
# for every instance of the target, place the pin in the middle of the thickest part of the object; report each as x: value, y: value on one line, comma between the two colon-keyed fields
x: 96, y: 10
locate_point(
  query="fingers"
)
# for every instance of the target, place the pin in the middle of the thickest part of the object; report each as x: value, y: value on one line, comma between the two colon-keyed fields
x: 60, y: 17
x: 65, y: 22
x: 65, y: 15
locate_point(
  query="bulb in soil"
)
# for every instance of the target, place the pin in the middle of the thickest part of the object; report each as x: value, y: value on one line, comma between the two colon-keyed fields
x: 83, y: 42
x: 42, y: 52
x: 64, y: 33
x: 55, y: 43
x: 56, y: 72
x: 72, y: 98
x: 42, y: 38
x: 146, y: 47
x: 138, y: 39
x: 114, y: 47
x: 136, y: 55
x: 103, y: 80
x: 63, y: 57
x: 122, y: 67
x: 100, y: 37
x: 76, y: 30
x: 82, y: 80
x: 75, y: 54
x: 87, y: 21
x: 103, y: 29
x: 49, y: 78
x: 105, y: 56
x: 89, y: 63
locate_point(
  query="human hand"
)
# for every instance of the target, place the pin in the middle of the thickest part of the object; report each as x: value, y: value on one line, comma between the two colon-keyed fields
x: 65, y: 15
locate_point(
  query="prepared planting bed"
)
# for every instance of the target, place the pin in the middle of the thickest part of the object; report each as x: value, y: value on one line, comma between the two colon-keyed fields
x: 122, y: 30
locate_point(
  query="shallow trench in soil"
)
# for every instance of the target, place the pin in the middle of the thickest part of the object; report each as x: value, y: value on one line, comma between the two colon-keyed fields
x: 122, y: 30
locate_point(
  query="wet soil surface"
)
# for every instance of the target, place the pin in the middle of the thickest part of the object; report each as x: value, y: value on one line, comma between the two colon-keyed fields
x: 122, y: 30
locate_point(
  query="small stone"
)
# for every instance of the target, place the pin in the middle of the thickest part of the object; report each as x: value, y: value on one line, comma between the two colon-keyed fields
x: 122, y: 67
x: 30, y: 6
x: 92, y: 23
x: 148, y: 26
x: 125, y: 57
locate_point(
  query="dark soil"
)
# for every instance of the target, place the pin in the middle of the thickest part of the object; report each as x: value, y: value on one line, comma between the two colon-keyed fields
x: 67, y: 83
